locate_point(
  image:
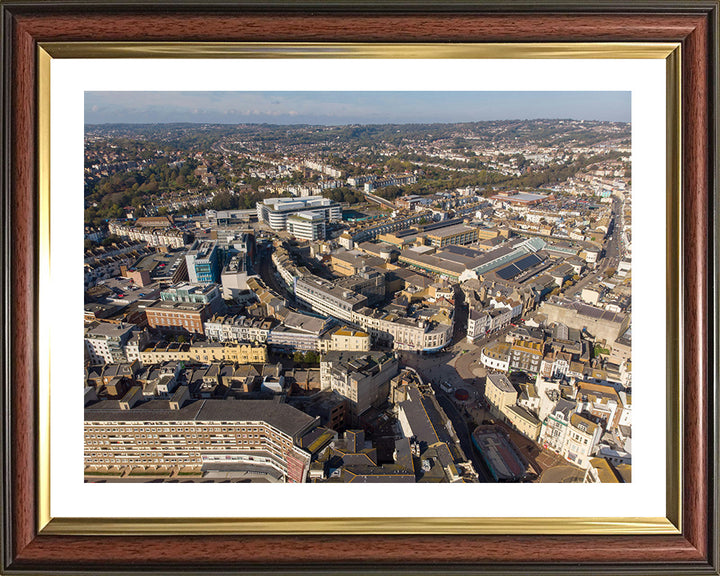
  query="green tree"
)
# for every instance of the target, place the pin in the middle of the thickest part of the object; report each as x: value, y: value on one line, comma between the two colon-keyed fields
x: 225, y: 201
x: 115, y: 212
x: 311, y: 357
x: 111, y: 239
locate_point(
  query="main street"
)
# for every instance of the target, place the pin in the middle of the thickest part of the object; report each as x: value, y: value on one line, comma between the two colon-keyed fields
x: 612, y: 257
x: 438, y: 368
x: 463, y: 432
x: 459, y: 364
x: 266, y: 270
x: 460, y: 367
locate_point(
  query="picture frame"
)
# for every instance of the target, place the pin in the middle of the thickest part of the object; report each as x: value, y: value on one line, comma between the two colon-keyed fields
x: 684, y: 542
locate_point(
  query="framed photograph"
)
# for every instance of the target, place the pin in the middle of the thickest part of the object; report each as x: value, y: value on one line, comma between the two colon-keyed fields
x: 525, y: 178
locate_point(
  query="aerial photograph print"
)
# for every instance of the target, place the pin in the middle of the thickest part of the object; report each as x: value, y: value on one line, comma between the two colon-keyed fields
x: 357, y: 287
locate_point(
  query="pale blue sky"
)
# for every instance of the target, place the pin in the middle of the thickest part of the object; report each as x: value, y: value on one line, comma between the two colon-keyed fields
x: 332, y: 108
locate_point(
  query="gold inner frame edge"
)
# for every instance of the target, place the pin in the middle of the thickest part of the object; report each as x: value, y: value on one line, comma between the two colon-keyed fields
x: 389, y: 525
x: 557, y: 50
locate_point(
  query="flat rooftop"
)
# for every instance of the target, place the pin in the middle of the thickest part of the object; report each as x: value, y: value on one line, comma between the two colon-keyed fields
x: 305, y: 322
x: 284, y: 417
x: 283, y: 204
x: 357, y: 361
x: 178, y: 306
x: 350, y: 332
x: 109, y: 330
x: 588, y: 310
x: 338, y: 292
x: 520, y: 197
x: 432, y: 261
x: 501, y: 382
x: 450, y: 231
x: 202, y: 250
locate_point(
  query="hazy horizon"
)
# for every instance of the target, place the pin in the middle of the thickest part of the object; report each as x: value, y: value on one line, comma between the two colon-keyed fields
x: 345, y: 108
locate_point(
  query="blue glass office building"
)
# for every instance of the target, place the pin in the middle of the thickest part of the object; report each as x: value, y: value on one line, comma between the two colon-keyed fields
x: 204, y: 263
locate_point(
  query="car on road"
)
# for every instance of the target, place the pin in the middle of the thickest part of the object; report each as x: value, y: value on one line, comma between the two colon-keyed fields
x: 446, y: 387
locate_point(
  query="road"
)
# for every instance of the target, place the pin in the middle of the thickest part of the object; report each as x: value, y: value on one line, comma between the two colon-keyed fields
x: 439, y: 368
x: 613, y: 253
x: 266, y: 270
x: 378, y: 200
x: 459, y: 364
x: 463, y: 433
x: 468, y: 363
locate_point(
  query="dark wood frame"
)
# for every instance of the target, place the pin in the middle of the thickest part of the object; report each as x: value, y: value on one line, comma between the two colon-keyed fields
x: 693, y: 23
